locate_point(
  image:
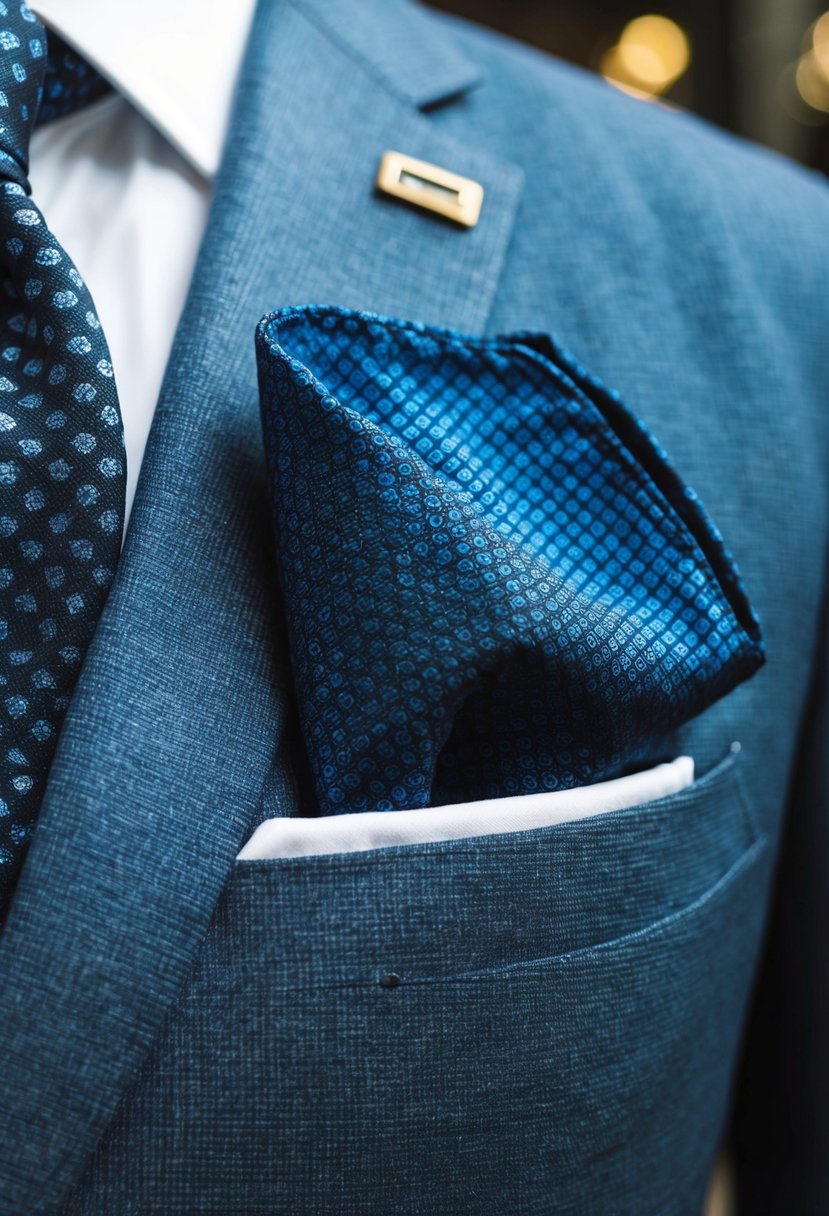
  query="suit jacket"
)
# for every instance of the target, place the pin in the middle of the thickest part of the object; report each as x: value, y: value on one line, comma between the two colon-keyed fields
x: 184, y: 1033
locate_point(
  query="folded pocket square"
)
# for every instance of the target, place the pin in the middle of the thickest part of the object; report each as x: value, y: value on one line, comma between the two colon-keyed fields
x: 494, y: 581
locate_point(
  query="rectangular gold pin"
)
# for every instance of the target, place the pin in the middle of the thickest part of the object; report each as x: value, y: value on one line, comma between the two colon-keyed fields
x: 424, y: 185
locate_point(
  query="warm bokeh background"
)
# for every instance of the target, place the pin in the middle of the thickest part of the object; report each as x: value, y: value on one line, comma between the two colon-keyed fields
x: 758, y: 67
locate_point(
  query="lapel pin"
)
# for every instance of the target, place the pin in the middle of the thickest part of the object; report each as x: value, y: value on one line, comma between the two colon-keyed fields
x: 430, y: 187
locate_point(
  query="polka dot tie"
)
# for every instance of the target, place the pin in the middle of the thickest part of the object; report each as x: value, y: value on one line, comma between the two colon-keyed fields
x: 62, y: 462
x: 494, y: 581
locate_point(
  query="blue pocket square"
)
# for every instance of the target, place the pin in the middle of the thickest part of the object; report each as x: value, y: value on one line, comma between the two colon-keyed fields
x: 494, y: 581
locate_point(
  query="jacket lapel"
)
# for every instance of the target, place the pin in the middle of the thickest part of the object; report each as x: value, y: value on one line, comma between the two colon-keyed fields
x: 181, y: 711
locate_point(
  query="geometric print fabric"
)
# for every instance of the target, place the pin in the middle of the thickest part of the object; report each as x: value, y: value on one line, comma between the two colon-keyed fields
x: 495, y: 583
x: 62, y: 462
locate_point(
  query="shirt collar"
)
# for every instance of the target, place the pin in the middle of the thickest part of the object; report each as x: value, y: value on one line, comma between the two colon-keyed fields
x: 175, y: 60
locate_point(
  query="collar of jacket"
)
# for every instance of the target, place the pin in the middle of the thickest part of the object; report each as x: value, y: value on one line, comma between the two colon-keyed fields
x: 180, y: 714
x: 406, y: 49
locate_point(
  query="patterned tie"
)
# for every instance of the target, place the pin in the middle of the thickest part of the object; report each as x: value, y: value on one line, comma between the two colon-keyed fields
x: 494, y: 581
x: 62, y: 463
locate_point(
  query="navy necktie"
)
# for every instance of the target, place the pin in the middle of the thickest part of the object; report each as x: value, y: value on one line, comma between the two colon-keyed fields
x: 62, y: 462
x: 494, y: 581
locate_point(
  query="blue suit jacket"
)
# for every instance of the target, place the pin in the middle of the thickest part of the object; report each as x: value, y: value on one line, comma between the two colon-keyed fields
x: 182, y: 1033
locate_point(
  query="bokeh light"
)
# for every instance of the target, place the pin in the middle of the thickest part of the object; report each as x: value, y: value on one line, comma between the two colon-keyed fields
x: 812, y: 82
x: 811, y: 72
x: 820, y: 43
x: 652, y: 53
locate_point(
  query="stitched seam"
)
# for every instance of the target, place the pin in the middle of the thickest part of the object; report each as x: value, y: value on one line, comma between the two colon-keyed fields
x: 752, y: 824
x: 321, y: 25
x: 743, y: 864
x: 509, y: 972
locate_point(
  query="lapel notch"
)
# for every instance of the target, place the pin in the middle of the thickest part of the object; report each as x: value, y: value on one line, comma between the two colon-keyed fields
x: 401, y: 45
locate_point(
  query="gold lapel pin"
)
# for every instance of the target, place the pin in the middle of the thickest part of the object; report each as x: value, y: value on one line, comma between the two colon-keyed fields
x: 416, y: 181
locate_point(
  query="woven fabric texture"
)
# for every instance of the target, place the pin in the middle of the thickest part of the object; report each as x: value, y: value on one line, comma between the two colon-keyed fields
x: 62, y: 461
x: 495, y: 583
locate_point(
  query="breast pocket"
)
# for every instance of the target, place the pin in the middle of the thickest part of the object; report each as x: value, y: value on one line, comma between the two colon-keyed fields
x: 542, y: 1021
x: 443, y: 909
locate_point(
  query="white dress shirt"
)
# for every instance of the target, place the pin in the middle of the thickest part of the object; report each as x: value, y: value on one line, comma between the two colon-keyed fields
x: 125, y: 183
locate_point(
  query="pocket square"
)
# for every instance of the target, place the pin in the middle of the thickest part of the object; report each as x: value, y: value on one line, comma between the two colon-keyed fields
x: 301, y: 836
x: 494, y: 581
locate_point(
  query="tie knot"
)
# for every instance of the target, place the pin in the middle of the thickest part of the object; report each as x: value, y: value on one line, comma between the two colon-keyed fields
x: 22, y: 70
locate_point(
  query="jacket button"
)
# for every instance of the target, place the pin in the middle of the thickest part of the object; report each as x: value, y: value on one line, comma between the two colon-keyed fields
x: 389, y: 981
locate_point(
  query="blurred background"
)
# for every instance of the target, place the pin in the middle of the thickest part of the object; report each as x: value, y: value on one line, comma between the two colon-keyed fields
x: 757, y: 67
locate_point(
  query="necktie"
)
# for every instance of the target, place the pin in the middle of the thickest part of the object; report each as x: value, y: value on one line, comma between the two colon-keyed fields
x: 495, y: 583
x: 62, y: 463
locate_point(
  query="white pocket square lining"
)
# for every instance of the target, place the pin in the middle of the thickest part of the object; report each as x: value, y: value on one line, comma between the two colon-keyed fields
x: 305, y: 837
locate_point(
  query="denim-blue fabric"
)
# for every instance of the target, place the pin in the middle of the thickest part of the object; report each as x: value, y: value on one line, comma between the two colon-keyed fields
x: 372, y: 1056
x: 62, y: 460
x: 183, y: 1034
x: 494, y: 581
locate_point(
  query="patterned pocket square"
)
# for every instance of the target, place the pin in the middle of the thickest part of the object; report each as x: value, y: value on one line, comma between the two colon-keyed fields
x: 495, y: 583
